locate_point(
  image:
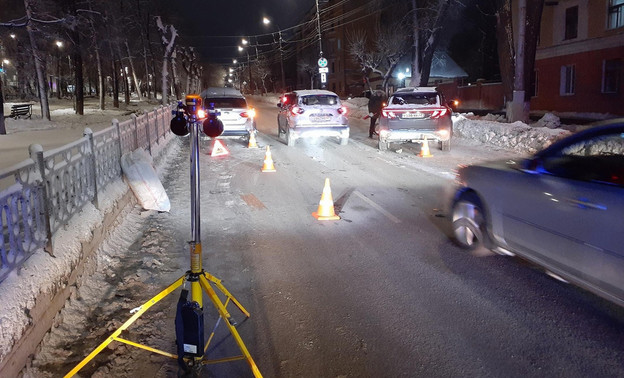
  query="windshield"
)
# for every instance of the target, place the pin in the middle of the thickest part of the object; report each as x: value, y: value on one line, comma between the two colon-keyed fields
x: 415, y: 98
x: 225, y: 102
x: 319, y: 100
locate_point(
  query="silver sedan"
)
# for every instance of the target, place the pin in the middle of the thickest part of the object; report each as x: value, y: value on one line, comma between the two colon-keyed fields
x: 562, y: 209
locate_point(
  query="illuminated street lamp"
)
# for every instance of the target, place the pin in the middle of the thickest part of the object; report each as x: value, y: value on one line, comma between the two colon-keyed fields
x: 59, y: 45
x: 267, y: 21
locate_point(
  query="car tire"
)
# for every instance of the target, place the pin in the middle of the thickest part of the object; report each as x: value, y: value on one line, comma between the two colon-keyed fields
x: 469, y: 224
x: 290, y: 141
x: 344, y: 141
x: 445, y: 145
x: 383, y: 145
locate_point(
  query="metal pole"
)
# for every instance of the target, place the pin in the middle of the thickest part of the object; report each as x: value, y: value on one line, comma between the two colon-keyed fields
x: 195, y: 221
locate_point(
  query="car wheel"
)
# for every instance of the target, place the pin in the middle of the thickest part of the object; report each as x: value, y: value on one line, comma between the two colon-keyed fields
x: 445, y: 145
x: 383, y: 145
x: 344, y: 141
x: 469, y: 224
x: 290, y: 141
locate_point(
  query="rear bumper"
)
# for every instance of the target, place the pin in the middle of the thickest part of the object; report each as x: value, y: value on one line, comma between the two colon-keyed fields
x: 413, y: 135
x: 233, y: 129
x: 316, y: 131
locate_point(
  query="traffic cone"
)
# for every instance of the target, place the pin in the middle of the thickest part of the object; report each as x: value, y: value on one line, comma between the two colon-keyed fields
x: 424, y: 149
x: 326, y: 205
x: 218, y: 149
x: 252, y: 140
x: 268, y: 162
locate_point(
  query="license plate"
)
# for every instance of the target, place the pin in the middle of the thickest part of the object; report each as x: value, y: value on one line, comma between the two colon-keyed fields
x: 320, y: 117
x: 413, y: 115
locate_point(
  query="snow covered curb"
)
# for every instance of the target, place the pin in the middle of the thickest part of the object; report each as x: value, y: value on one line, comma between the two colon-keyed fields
x: 516, y: 136
x: 32, y: 297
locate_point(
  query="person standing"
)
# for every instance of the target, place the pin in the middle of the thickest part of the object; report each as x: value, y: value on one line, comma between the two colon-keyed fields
x: 375, y: 103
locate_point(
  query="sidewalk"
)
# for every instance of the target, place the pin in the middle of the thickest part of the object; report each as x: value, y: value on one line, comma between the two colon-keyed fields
x: 65, y: 127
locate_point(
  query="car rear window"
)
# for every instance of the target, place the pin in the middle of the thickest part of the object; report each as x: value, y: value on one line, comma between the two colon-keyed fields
x: 225, y: 102
x: 319, y: 100
x: 415, y: 98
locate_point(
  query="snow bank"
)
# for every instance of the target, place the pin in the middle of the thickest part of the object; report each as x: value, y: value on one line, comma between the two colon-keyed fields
x: 517, y: 136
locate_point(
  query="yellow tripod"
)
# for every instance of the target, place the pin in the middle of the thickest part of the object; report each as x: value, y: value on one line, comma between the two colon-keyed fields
x: 200, y: 281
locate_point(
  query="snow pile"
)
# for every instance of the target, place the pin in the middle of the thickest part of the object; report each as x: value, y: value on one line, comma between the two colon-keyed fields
x: 549, y: 120
x: 517, y: 136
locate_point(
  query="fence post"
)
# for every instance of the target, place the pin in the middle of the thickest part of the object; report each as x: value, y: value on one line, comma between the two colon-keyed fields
x: 116, y: 124
x: 89, y: 134
x: 136, y: 132
x: 148, y: 134
x: 156, y: 126
x: 36, y: 154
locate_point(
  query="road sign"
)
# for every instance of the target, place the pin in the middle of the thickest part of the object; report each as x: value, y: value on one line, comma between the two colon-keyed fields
x: 322, y: 62
x: 323, y: 69
x: 323, y: 77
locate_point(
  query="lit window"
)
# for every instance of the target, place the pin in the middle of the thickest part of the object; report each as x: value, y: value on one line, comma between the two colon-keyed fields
x: 615, y: 14
x: 567, y: 80
x: 571, y: 23
x: 611, y: 75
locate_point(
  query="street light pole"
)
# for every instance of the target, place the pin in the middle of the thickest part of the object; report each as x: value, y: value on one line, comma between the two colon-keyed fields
x: 59, y: 44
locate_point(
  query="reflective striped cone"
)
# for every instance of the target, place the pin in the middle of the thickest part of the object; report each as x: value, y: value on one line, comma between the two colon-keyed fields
x: 252, y: 140
x: 326, y: 205
x: 424, y: 150
x: 268, y: 162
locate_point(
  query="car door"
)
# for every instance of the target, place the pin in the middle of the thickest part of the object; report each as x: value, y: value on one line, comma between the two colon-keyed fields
x: 568, y: 216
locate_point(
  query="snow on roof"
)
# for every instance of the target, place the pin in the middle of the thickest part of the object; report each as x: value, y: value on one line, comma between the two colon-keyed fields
x: 221, y: 92
x: 417, y: 89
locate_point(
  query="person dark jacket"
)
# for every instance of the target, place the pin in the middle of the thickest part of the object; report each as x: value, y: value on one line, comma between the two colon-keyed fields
x: 375, y: 103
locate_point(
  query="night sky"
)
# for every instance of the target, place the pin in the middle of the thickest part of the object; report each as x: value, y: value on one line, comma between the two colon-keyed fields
x: 215, y: 28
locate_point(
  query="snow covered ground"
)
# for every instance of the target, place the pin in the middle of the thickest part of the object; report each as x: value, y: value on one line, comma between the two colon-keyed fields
x: 19, y: 291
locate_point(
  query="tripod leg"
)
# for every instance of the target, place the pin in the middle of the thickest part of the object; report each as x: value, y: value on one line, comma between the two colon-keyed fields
x: 144, y: 307
x: 224, y: 314
x: 229, y: 296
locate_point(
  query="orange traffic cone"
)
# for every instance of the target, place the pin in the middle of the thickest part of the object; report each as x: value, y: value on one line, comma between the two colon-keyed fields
x: 218, y: 149
x: 326, y: 205
x: 252, y: 140
x: 268, y: 162
x: 424, y: 149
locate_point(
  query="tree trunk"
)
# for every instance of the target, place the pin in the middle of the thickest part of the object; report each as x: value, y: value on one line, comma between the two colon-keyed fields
x: 432, y: 42
x: 415, y: 80
x: 114, y: 77
x: 506, y: 51
x: 101, y: 81
x: 134, y: 76
x: 39, y: 65
x: 148, y: 82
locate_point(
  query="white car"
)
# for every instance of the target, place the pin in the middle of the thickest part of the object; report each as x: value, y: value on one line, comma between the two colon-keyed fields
x: 312, y: 113
x: 236, y: 115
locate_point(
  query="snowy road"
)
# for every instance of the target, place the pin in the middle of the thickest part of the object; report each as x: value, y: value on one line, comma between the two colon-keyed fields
x: 380, y: 293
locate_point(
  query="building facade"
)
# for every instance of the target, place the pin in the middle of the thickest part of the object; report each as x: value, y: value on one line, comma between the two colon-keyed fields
x: 579, y: 60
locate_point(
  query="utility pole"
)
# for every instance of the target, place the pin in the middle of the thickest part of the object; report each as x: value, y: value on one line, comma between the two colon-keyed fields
x: 517, y: 106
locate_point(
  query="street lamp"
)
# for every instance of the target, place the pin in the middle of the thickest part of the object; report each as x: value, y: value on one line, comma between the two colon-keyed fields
x: 240, y: 49
x: 267, y: 21
x: 59, y: 45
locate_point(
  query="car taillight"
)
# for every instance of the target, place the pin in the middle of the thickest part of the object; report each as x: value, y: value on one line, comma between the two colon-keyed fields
x: 295, y: 110
x: 251, y: 113
x: 342, y: 110
x: 438, y: 113
x: 284, y: 100
x: 388, y: 114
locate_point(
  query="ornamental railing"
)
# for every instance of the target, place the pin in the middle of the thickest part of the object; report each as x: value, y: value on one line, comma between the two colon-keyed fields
x: 41, y: 194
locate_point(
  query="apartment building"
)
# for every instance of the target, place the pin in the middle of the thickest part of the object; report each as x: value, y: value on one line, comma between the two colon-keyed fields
x: 579, y: 60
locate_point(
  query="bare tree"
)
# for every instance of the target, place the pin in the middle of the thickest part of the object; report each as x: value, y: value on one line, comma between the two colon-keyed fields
x: 518, y: 70
x: 310, y: 70
x: 39, y: 62
x: 168, y: 34
x: 389, y: 46
x: 262, y: 70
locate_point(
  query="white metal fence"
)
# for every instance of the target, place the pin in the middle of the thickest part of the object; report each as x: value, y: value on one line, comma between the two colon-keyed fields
x: 41, y: 194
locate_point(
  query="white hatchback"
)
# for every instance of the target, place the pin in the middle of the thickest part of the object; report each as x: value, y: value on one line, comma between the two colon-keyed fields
x: 312, y: 113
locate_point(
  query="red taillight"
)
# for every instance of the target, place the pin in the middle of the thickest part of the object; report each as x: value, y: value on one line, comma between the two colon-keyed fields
x: 295, y: 110
x: 388, y: 114
x: 342, y: 110
x: 438, y: 113
x: 284, y: 100
x: 251, y: 113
